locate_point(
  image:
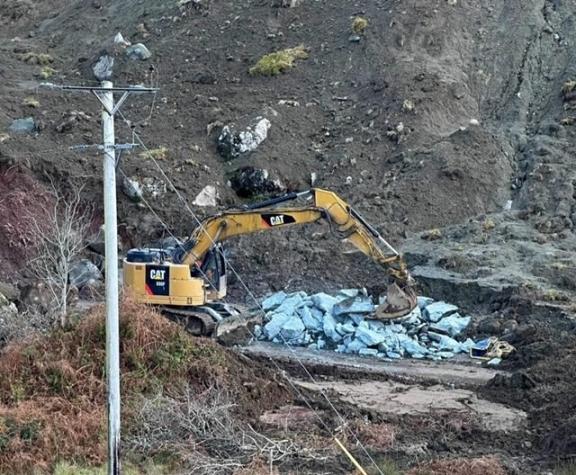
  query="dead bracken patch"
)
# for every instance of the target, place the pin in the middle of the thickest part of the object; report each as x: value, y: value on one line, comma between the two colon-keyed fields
x: 460, y: 466
x: 52, y: 388
x: 379, y: 436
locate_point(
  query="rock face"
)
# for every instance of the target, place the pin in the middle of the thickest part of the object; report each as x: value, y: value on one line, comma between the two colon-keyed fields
x: 339, y: 322
x: 233, y: 143
x: 249, y: 181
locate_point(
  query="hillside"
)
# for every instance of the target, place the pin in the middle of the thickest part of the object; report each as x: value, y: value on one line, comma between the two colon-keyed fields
x: 455, y: 116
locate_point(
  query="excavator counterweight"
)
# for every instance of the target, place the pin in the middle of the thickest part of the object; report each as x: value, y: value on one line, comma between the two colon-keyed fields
x: 188, y: 281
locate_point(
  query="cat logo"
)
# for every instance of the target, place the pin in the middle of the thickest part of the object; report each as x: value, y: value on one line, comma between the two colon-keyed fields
x: 277, y: 220
x: 156, y: 274
x: 157, y: 280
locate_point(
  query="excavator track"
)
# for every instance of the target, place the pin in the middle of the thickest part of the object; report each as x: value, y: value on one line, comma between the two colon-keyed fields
x: 202, y: 320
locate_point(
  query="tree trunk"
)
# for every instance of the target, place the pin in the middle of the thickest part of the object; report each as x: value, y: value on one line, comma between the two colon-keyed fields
x: 64, y: 308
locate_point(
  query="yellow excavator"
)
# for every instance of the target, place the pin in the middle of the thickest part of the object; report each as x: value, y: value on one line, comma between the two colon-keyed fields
x: 188, y: 281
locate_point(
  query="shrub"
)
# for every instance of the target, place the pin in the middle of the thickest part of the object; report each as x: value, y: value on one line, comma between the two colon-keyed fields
x: 160, y: 153
x: 359, y: 25
x: 278, y: 62
x: 46, y: 72
x: 41, y: 59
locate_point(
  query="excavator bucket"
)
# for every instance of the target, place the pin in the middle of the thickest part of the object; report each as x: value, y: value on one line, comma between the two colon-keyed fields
x: 398, y: 303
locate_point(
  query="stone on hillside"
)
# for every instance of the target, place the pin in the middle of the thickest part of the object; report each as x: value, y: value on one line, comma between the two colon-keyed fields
x: 369, y: 337
x: 411, y: 346
x: 348, y: 328
x: 232, y: 143
x: 274, y: 326
x: 23, y: 126
x: 354, y: 346
x: 132, y: 189
x: 292, y: 330
x: 438, y: 310
x: 291, y: 303
x: 324, y: 302
x: 207, y: 197
x: 138, y: 52
x: 368, y: 352
x: 84, y: 273
x: 349, y: 292
x: 353, y: 305
x: 310, y: 320
x: 453, y: 325
x: 423, y: 302
x: 396, y: 328
x: 250, y: 181
x: 467, y: 345
x: 445, y: 342
x: 257, y: 331
x: 273, y: 301
x: 103, y: 67
x: 355, y: 318
x: 329, y: 327
x: 413, y: 318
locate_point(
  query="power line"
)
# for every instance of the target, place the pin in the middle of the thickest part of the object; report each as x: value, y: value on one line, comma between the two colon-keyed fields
x: 250, y: 293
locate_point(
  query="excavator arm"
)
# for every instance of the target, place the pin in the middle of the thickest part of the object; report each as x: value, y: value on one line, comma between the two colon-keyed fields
x: 325, y: 205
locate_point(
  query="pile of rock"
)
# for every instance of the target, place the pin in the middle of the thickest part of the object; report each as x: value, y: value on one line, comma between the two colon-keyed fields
x: 342, y: 323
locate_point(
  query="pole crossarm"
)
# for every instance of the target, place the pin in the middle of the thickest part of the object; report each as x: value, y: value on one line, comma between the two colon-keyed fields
x: 135, y: 89
x: 99, y: 92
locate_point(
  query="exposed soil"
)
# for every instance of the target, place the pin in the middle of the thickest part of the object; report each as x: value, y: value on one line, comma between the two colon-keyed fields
x: 445, y: 115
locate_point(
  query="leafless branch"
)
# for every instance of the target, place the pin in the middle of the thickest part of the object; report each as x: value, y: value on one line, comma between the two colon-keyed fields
x: 203, y: 431
x: 59, y: 238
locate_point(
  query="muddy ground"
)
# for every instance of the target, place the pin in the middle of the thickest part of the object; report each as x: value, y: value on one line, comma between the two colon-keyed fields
x: 484, y: 154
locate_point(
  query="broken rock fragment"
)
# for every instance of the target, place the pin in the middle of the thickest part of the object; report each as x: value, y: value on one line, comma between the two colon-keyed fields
x: 207, y: 197
x: 437, y: 310
x: 249, y: 181
x: 138, y: 52
x: 342, y: 323
x: 23, y: 126
x: 232, y: 143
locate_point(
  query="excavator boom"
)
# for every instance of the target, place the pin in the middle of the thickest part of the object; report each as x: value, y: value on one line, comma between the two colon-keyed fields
x: 193, y: 275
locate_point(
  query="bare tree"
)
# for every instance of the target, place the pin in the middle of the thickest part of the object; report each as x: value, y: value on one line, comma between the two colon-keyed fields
x: 60, y: 237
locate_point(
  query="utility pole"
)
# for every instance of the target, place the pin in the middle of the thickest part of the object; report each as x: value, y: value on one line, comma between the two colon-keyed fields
x: 111, y: 272
x: 105, y: 95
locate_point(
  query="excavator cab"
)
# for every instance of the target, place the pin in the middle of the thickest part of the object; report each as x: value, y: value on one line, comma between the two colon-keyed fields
x: 213, y: 271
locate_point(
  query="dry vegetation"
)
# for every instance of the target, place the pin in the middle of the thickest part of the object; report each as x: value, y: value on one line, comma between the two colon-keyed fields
x: 52, y: 389
x: 460, y: 466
